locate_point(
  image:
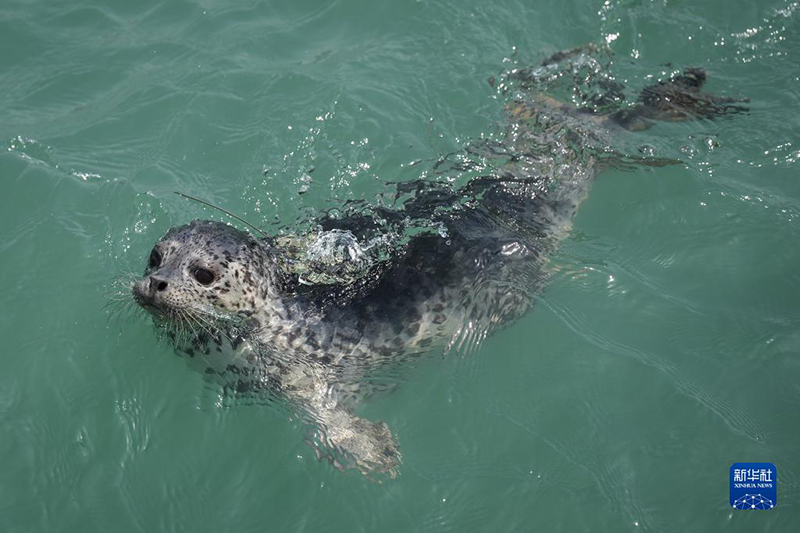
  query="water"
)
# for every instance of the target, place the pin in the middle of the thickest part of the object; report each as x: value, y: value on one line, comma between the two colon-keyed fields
x: 664, y: 348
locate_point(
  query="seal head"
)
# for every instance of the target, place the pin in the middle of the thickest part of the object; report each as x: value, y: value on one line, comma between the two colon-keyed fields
x: 205, y: 267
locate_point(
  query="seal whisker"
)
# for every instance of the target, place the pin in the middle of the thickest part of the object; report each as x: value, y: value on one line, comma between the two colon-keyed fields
x: 192, y: 319
x: 236, y: 217
x: 187, y: 329
x: 213, y: 321
x: 119, y: 309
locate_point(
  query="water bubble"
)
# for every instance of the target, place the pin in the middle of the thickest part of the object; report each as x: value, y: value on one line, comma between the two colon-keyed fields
x: 647, y: 150
x: 711, y: 143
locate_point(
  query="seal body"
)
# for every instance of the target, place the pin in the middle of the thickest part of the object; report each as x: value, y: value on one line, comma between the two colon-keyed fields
x: 315, y: 318
x: 242, y: 315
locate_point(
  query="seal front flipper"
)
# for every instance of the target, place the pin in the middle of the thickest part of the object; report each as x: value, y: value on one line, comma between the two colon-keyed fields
x: 335, y: 432
x: 349, y: 441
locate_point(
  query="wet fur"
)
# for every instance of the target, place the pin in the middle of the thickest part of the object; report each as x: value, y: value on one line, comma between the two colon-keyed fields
x: 258, y: 325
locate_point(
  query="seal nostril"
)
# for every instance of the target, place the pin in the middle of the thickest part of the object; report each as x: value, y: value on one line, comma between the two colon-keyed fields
x: 157, y: 284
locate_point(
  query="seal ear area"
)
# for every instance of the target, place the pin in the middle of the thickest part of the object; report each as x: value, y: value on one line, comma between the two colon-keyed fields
x: 253, y: 242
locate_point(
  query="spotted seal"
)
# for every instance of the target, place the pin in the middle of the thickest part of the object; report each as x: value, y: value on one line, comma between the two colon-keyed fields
x: 314, y: 317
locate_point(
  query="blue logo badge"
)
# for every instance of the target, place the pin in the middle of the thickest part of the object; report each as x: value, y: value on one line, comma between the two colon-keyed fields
x: 754, y: 486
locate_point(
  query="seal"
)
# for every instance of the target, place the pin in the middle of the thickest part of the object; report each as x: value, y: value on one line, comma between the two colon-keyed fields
x: 318, y: 318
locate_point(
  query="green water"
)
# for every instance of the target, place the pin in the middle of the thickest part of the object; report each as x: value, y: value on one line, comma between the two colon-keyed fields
x: 665, y: 348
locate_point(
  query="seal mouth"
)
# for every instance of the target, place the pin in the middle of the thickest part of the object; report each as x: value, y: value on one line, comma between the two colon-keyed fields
x: 150, y: 308
x: 146, y: 302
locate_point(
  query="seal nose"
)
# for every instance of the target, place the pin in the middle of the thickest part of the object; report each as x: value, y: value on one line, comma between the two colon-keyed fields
x: 157, y: 284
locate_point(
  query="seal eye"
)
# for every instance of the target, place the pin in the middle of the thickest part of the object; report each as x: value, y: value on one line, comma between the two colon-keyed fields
x: 155, y: 258
x: 203, y: 275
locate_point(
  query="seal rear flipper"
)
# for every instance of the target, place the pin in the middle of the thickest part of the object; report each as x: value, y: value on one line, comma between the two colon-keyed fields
x: 676, y: 100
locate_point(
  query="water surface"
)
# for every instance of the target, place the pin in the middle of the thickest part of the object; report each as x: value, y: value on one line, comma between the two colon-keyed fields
x: 665, y: 347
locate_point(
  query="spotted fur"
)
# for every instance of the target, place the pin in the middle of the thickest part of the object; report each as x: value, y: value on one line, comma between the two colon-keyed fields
x: 250, y: 320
